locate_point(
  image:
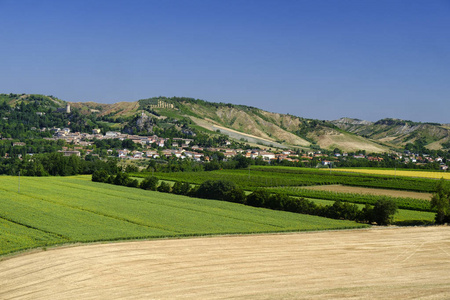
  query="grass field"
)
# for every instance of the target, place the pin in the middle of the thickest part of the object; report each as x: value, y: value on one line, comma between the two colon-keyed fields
x: 58, y: 210
x: 406, y: 173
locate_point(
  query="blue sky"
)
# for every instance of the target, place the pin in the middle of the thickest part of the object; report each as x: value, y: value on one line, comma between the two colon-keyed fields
x: 315, y: 59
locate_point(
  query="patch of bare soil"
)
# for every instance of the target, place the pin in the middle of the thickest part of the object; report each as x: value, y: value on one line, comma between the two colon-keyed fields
x: 362, y: 190
x: 346, y: 142
x: 394, y: 263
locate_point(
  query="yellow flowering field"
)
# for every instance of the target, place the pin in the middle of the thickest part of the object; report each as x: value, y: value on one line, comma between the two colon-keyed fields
x: 408, y: 173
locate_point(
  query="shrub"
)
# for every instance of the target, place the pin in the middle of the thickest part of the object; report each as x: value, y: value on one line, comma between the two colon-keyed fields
x: 149, y: 183
x: 383, y: 211
x: 181, y: 188
x: 343, y: 210
x: 164, y: 187
x: 100, y: 176
x: 121, y: 179
x: 221, y: 190
x: 258, y: 198
x: 277, y: 201
x: 133, y: 183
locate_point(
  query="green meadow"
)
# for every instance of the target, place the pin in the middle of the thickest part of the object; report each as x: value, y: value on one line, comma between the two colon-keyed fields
x: 60, y: 210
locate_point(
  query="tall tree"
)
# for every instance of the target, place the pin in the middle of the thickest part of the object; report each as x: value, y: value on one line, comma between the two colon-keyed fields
x: 441, y: 202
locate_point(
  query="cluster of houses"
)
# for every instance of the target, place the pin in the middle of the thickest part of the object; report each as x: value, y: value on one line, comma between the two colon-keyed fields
x: 196, y: 153
x: 185, y: 148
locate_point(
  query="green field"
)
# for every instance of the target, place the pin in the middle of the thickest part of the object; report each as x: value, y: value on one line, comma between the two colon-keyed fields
x: 59, y: 210
x: 270, y: 176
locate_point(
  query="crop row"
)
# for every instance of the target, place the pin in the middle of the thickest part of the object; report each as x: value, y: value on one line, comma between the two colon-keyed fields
x: 54, y: 210
x: 272, y: 177
x: 320, y: 176
x: 404, y: 203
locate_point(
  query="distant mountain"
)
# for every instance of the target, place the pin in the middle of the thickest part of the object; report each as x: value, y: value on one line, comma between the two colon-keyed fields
x: 239, y: 122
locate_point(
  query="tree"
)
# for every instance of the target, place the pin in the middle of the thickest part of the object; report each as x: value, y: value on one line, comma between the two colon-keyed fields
x: 258, y: 198
x: 149, y: 183
x: 100, y: 176
x: 164, y: 187
x: 383, y: 211
x: 121, y: 179
x: 221, y: 190
x: 440, y: 201
x: 181, y: 188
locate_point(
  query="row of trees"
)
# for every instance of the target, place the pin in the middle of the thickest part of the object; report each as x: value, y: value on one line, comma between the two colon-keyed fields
x: 381, y: 213
x: 54, y: 164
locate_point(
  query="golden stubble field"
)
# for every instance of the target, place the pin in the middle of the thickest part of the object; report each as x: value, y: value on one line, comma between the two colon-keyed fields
x: 385, y: 263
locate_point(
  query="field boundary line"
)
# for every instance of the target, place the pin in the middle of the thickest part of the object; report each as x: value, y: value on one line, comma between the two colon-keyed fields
x: 35, y: 228
x: 97, y: 213
x: 165, y: 204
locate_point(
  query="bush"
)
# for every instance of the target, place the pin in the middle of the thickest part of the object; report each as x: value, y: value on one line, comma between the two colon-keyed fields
x: 164, y: 187
x: 121, y: 179
x: 133, y: 183
x: 149, y: 183
x: 277, y: 201
x: 258, y: 198
x: 181, y: 188
x: 383, y: 211
x: 343, y: 210
x: 221, y: 190
x: 302, y: 206
x: 100, y: 176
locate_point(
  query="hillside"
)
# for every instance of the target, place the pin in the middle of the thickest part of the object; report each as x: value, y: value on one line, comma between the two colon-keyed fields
x: 241, y: 123
x: 399, y: 133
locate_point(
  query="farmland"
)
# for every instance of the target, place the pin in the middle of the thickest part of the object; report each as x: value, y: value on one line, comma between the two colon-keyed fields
x: 370, y: 191
x: 293, y: 181
x: 61, y: 210
x: 404, y: 173
x: 394, y: 263
x: 258, y: 176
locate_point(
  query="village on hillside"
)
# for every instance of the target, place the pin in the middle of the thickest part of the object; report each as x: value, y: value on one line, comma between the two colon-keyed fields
x: 154, y: 147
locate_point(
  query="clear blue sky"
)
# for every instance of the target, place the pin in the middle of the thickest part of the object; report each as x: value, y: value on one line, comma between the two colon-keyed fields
x: 316, y: 59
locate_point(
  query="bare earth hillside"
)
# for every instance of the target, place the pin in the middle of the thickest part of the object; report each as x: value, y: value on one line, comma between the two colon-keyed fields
x: 394, y: 263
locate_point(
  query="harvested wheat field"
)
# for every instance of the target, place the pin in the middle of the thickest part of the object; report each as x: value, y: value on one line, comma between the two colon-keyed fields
x: 388, y: 263
x: 370, y: 191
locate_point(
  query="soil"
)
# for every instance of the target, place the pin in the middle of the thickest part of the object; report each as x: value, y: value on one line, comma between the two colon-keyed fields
x: 370, y: 191
x: 385, y: 263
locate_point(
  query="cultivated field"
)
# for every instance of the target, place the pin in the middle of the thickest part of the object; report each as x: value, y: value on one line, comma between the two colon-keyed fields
x: 407, y: 173
x: 370, y: 191
x: 60, y: 210
x: 394, y: 263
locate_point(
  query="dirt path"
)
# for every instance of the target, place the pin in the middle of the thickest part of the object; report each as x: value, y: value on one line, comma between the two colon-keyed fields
x: 371, y: 191
x: 395, y: 263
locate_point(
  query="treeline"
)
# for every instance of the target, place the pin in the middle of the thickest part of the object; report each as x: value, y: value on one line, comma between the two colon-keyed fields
x: 402, y: 202
x: 54, y: 164
x: 381, y: 213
